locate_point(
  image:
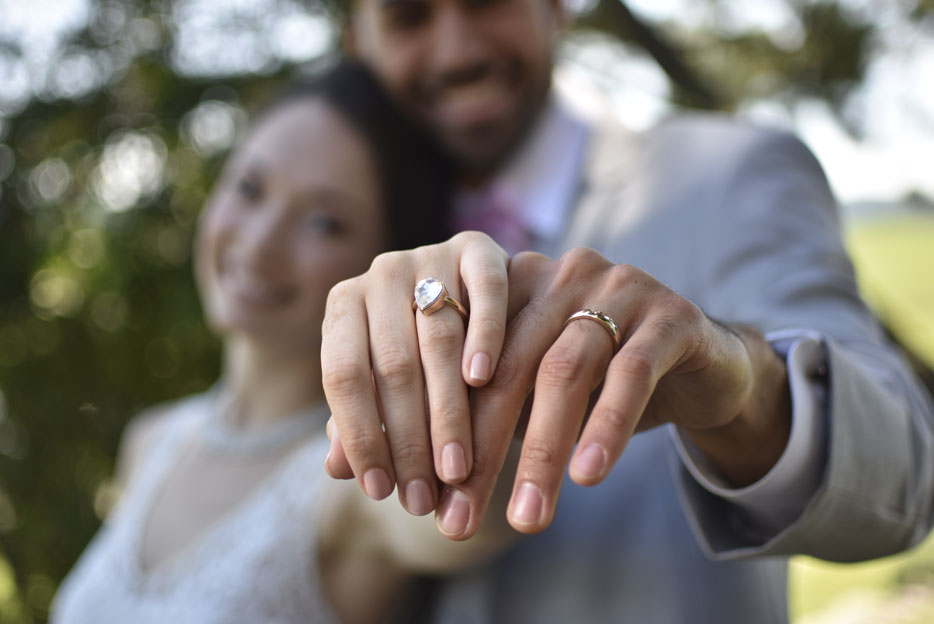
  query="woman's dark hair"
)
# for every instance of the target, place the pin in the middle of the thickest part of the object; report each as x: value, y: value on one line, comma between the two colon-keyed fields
x: 416, y: 177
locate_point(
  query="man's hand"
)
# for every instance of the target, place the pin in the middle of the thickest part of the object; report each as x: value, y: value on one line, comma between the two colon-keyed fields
x: 724, y: 387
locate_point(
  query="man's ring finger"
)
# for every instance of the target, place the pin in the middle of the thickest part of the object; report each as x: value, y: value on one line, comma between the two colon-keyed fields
x: 599, y: 317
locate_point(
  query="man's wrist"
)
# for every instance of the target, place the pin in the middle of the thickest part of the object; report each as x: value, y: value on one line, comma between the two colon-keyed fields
x: 745, y: 449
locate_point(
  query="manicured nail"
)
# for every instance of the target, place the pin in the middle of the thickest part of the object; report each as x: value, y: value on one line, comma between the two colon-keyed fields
x: 527, y: 506
x: 453, y: 463
x: 377, y: 484
x: 590, y: 462
x: 454, y: 512
x: 418, y: 497
x: 480, y: 367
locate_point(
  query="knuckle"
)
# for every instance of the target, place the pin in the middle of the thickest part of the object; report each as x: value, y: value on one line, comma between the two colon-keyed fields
x: 683, y: 310
x: 613, y: 418
x: 446, y: 413
x: 579, y: 255
x: 448, y: 410
x: 539, y: 453
x: 636, y: 366
x: 363, y: 445
x: 667, y: 328
x: 338, y: 297
x: 407, y: 450
x: 622, y: 276
x: 474, y: 238
x: 387, y: 264
x: 492, y: 280
x: 395, y: 366
x: 577, y: 265
x: 344, y: 377
x: 561, y: 367
x: 487, y: 326
x: 439, y: 338
x: 462, y: 238
x: 341, y: 290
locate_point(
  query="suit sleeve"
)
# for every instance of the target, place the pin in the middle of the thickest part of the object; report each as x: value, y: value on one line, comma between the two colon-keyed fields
x: 777, y: 262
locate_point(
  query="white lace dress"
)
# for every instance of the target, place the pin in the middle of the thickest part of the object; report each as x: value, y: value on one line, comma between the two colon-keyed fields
x: 253, y: 565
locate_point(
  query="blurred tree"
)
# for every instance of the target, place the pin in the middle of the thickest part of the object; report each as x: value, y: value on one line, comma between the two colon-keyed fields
x: 111, y: 129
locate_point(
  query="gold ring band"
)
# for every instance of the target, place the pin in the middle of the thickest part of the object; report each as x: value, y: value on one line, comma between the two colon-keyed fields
x: 431, y: 295
x: 595, y: 315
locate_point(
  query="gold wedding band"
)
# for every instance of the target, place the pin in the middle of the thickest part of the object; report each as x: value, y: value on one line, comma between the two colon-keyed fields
x: 431, y: 295
x: 595, y: 315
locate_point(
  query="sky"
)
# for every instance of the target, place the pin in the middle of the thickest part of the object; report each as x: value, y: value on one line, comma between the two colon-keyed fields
x: 893, y: 158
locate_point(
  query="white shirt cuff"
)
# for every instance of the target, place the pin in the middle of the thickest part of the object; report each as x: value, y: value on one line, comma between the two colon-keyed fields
x: 778, y: 498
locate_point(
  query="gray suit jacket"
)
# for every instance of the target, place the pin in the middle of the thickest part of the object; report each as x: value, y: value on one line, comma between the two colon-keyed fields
x: 741, y: 221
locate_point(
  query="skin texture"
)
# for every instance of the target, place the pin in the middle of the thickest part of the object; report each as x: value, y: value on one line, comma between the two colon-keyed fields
x: 472, y: 80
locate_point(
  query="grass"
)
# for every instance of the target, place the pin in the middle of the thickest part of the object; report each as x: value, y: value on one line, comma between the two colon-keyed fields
x: 818, y: 589
x: 894, y: 259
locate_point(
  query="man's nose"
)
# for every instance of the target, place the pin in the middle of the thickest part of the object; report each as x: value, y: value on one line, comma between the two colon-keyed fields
x: 459, y: 48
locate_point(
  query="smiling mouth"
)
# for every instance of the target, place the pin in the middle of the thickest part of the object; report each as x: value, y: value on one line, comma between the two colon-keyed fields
x: 474, y: 103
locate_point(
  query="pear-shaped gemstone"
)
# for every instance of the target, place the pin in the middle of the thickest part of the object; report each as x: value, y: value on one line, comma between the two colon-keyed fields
x: 427, y: 292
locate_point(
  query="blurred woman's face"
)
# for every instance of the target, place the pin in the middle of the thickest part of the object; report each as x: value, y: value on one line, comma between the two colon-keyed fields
x: 297, y: 209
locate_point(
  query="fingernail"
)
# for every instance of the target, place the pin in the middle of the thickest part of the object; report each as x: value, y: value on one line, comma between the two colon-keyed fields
x: 454, y: 512
x: 418, y: 497
x: 480, y: 367
x: 527, y: 506
x: 590, y: 462
x: 377, y: 484
x: 453, y: 463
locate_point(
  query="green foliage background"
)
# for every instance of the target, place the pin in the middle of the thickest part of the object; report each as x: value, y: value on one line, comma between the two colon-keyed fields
x: 98, y: 313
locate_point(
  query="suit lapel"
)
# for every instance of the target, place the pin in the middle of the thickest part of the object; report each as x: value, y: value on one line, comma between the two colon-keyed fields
x: 601, y: 199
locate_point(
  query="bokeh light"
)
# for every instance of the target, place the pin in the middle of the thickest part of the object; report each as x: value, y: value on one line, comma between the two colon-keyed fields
x: 131, y: 168
x: 212, y: 127
x: 55, y: 293
x: 50, y: 180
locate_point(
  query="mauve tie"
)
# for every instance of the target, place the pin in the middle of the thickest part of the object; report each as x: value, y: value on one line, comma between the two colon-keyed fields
x: 493, y: 213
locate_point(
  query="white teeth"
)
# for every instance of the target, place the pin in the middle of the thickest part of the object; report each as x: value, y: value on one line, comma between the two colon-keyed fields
x: 473, y: 96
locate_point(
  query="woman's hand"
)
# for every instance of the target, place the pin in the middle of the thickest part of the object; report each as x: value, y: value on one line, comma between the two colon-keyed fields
x: 380, y: 359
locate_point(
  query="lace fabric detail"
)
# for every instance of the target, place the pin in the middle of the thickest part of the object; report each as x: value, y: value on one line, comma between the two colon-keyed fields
x: 256, y: 563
